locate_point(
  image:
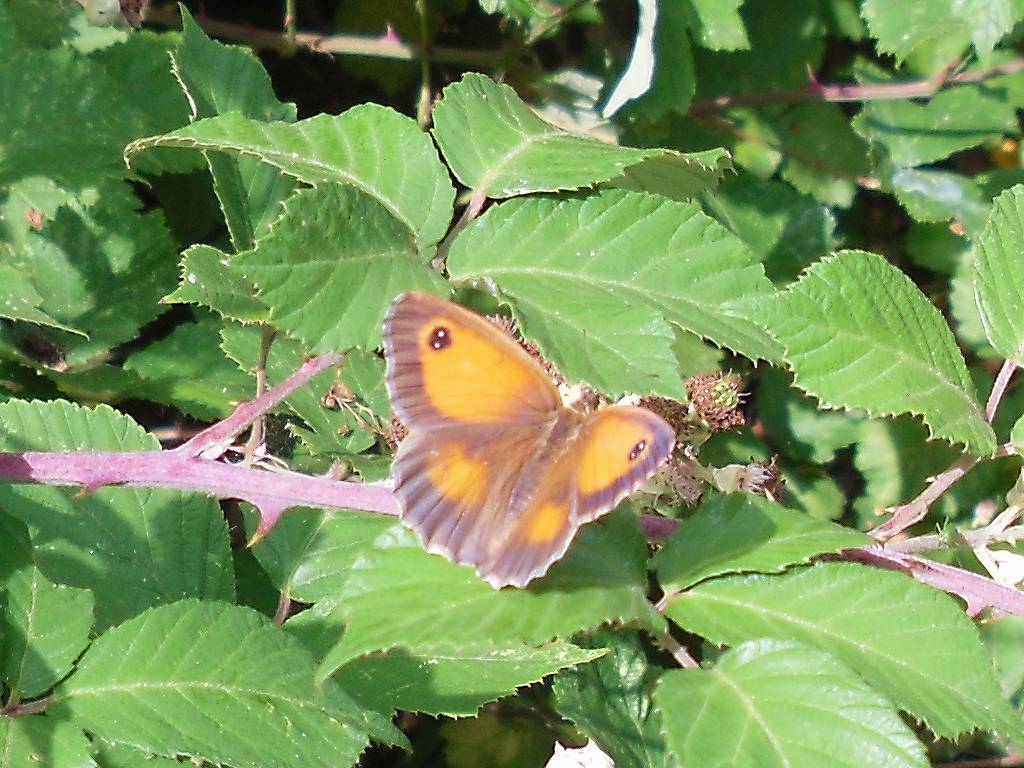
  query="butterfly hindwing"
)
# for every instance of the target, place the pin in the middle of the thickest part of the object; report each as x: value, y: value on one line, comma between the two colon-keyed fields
x: 616, y: 450
x: 455, y: 486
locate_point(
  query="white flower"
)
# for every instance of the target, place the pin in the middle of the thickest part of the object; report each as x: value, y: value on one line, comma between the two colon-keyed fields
x: 589, y: 756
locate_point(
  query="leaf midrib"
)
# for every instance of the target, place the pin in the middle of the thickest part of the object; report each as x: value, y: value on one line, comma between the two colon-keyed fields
x: 839, y: 639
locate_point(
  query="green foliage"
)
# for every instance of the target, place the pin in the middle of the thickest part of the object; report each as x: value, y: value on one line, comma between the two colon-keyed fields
x: 170, y: 661
x: 845, y: 610
x: 611, y: 697
x: 602, y: 308
x: 999, y: 278
x: 739, y: 532
x: 831, y: 716
x: 134, y: 548
x: 647, y: 203
x: 859, y: 334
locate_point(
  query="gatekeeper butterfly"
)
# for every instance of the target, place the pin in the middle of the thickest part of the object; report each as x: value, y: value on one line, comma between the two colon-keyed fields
x: 496, y: 472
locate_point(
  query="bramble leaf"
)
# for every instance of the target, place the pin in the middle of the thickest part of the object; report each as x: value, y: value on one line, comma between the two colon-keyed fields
x: 859, y: 334
x: 44, y: 626
x: 219, y: 79
x: 453, y: 680
x: 900, y: 28
x: 930, y: 662
x: 398, y: 595
x: 331, y: 265
x: 344, y: 149
x: 496, y: 145
x: 999, y: 274
x: 207, y: 278
x: 609, y: 700
x: 733, y: 713
x: 596, y: 280
x: 213, y: 681
x: 741, y: 532
x: 43, y: 742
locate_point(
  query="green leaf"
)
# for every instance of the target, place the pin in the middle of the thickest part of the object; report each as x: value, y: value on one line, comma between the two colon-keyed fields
x: 44, y: 626
x: 331, y: 265
x: 42, y: 742
x: 38, y: 23
x: 999, y: 275
x: 363, y: 374
x: 897, y: 463
x: 19, y: 299
x: 498, y: 147
x: 740, y: 532
x: 188, y: 370
x: 952, y: 120
x: 397, y: 595
x: 213, y: 681
x: 1003, y: 639
x: 220, y: 79
x: 859, y: 334
x: 609, y: 700
x: 453, y: 680
x: 934, y: 247
x: 595, y: 279
x: 930, y: 662
x: 346, y: 149
x: 797, y: 426
x: 785, y: 230
x: 252, y: 584
x: 785, y: 43
x: 935, y: 195
x: 69, y: 117
x: 824, y: 157
x: 900, y: 28
x: 124, y: 756
x: 815, y: 492
x: 673, y: 81
x: 676, y: 176
x: 309, y: 553
x: 133, y: 547
x: 208, y: 279
x: 768, y: 703
x: 100, y: 266
x: 1017, y: 434
x: 660, y: 73
x: 717, y: 24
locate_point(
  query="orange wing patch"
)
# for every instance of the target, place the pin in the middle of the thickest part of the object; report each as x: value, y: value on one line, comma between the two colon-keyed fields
x: 545, y: 522
x: 612, y: 442
x: 458, y: 476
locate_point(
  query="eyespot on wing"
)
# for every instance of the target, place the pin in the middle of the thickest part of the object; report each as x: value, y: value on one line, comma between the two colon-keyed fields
x: 618, y: 448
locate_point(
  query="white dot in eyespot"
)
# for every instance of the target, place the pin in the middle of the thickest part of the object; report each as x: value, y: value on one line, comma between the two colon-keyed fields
x: 440, y: 338
x: 638, y: 449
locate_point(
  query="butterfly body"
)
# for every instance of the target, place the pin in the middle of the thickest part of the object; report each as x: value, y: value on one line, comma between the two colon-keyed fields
x: 496, y: 471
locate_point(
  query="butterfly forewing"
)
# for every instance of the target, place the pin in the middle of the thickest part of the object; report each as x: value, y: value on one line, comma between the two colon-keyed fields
x: 446, y: 364
x: 618, y: 449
